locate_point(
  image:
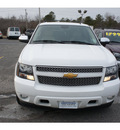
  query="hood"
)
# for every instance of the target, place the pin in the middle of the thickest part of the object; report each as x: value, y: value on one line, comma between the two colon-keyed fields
x: 66, y: 55
x: 114, y: 47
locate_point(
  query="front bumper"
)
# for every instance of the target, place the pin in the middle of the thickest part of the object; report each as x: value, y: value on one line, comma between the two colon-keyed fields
x: 51, y: 95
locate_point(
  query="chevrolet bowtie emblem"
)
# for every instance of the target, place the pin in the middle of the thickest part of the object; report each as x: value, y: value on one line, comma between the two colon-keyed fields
x: 70, y: 75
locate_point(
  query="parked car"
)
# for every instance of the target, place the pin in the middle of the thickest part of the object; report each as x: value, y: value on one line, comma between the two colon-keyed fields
x: 1, y: 36
x: 114, y: 37
x: 65, y: 66
x: 13, y: 32
x: 29, y: 32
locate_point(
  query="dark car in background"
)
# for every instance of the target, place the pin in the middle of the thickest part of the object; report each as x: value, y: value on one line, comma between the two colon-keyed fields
x: 114, y: 37
x: 29, y: 32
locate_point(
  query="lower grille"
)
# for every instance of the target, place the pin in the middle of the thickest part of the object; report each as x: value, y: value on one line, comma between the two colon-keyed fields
x: 69, y: 82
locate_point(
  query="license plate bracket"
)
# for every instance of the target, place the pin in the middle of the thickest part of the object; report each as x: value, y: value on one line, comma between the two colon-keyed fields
x: 68, y: 104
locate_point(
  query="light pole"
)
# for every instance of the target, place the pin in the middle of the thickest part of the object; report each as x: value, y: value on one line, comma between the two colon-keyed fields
x: 26, y: 18
x: 82, y: 13
x: 39, y: 16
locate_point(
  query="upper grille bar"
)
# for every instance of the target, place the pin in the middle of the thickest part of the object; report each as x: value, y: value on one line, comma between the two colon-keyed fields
x: 69, y: 69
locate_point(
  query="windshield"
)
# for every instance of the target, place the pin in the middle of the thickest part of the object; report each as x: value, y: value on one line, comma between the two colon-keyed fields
x: 113, y: 36
x: 64, y: 34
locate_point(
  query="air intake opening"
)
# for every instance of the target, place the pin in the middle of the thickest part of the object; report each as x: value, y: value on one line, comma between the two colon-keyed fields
x: 44, y: 101
x: 92, y: 102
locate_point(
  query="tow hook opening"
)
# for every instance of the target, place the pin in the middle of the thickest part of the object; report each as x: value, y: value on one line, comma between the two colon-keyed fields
x: 92, y: 102
x: 44, y: 101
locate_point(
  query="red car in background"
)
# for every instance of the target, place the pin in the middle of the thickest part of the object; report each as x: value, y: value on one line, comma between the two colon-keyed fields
x: 114, y: 36
x: 1, y: 35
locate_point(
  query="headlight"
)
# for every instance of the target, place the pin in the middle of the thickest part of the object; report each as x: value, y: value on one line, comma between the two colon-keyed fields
x: 25, y: 71
x: 111, y: 73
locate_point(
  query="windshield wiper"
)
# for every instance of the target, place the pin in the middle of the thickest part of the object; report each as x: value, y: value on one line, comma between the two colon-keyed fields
x: 63, y: 42
x: 47, y: 41
x: 77, y: 42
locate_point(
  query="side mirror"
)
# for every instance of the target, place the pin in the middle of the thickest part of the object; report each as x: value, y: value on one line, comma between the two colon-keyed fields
x: 23, y: 38
x: 104, y: 41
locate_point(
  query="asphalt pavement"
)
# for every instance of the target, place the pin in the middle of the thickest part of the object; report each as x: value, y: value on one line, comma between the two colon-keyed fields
x: 11, y: 111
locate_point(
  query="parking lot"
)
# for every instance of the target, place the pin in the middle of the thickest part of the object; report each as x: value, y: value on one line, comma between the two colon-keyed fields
x: 10, y: 111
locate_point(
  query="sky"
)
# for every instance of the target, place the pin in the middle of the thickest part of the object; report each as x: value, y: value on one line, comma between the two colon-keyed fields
x: 61, y: 8
x: 68, y: 12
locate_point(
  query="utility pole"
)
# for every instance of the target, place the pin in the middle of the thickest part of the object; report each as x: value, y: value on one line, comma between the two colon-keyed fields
x: 39, y: 16
x: 26, y: 18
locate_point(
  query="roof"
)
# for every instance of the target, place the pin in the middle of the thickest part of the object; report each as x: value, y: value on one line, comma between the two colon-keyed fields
x: 63, y: 23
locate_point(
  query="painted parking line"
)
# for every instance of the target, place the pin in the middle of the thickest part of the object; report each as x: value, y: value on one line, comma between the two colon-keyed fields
x: 7, y: 96
x: 1, y: 57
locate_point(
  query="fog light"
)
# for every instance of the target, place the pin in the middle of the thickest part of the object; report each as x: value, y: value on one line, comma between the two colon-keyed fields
x: 110, y: 97
x: 23, y: 96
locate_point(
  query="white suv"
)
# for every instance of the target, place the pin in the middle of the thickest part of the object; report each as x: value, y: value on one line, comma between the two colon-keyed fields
x: 65, y: 66
x: 13, y: 32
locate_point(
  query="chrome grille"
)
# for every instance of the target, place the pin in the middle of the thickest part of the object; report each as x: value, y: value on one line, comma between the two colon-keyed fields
x: 61, y: 81
x: 70, y: 69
